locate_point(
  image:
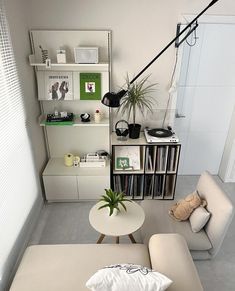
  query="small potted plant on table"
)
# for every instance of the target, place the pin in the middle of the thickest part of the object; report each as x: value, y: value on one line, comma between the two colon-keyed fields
x: 138, y: 98
x: 113, y: 200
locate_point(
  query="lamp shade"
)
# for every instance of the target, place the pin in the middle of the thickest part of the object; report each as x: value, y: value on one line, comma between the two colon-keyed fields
x: 112, y: 99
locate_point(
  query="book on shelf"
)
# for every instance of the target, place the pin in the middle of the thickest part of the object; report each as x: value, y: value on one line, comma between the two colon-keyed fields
x: 148, y: 185
x: 130, y: 185
x: 170, y: 182
x: 172, y: 158
x: 158, y: 186
x: 150, y: 158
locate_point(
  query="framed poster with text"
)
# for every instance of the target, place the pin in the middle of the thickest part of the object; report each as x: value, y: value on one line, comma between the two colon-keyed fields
x: 59, y: 86
x: 90, y: 86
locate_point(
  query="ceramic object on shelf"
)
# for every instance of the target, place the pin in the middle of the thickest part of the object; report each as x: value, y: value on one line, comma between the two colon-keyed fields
x: 97, y: 116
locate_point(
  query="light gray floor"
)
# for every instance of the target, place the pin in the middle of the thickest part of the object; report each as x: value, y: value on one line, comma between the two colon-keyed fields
x: 63, y: 223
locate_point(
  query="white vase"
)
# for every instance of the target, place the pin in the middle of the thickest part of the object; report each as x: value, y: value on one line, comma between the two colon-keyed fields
x: 115, y: 212
x: 97, y: 117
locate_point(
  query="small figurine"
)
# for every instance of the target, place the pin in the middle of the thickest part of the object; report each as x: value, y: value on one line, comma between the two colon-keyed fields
x: 44, y: 54
x: 85, y: 117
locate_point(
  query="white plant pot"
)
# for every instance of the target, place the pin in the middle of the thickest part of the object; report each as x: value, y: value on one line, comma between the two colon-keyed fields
x: 115, y: 212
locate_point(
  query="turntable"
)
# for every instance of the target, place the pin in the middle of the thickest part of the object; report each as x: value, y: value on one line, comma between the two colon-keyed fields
x: 160, y: 135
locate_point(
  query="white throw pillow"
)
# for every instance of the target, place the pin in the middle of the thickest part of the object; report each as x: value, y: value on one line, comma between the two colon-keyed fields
x: 199, y: 218
x: 128, y: 277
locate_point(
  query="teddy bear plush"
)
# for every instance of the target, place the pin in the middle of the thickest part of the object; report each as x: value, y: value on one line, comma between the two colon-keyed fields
x: 184, y: 207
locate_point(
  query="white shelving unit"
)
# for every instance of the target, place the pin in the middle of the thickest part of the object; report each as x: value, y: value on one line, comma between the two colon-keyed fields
x: 76, y: 122
x: 73, y: 183
x: 155, y: 179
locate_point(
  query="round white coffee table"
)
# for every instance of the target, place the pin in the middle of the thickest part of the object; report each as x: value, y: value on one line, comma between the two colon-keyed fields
x: 124, y: 223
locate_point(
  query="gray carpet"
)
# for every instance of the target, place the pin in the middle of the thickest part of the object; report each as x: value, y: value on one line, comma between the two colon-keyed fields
x: 63, y: 223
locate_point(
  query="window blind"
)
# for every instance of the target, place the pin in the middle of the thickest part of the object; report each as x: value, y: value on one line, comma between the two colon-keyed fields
x: 18, y: 185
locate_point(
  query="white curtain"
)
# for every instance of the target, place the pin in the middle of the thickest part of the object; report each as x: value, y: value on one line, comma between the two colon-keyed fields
x: 18, y: 185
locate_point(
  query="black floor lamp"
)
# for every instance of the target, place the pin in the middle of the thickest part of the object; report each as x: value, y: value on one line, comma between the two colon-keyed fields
x: 112, y: 99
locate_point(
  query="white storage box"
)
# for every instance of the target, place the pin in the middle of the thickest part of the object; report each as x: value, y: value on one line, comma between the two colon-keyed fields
x: 86, y: 55
x: 93, y: 161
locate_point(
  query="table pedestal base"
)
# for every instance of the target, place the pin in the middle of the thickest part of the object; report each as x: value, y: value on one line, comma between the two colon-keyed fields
x: 102, y: 236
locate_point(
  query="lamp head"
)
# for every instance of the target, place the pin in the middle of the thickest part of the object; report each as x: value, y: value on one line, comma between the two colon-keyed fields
x: 112, y: 99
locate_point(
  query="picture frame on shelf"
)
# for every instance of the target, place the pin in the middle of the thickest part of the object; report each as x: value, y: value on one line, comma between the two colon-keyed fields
x: 58, y: 86
x: 90, y: 86
x: 127, y: 158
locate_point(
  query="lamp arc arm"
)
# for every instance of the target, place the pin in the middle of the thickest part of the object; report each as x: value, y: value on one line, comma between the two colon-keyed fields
x: 172, y: 41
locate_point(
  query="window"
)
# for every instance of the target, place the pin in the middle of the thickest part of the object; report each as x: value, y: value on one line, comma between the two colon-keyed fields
x: 18, y: 184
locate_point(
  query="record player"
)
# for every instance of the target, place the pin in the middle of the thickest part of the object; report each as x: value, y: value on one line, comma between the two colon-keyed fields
x: 160, y: 135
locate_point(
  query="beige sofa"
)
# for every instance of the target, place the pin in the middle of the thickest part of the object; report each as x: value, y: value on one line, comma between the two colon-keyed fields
x: 68, y: 267
x: 204, y: 244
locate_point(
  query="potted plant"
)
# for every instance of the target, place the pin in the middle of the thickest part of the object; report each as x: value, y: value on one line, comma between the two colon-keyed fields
x: 113, y: 200
x: 138, y: 98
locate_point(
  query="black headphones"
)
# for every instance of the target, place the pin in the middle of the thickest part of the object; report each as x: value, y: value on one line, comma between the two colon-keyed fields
x: 123, y: 130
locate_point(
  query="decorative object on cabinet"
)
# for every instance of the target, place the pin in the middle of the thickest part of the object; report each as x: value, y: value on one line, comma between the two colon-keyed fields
x: 113, y: 200
x: 76, y: 161
x: 157, y: 174
x: 59, y: 86
x: 93, y: 160
x: 112, y: 99
x: 122, y: 130
x: 68, y: 160
x: 86, y: 55
x: 138, y: 98
x: 90, y: 86
x: 61, y: 56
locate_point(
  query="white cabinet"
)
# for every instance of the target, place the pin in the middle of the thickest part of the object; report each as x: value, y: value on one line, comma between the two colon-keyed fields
x: 73, y: 183
x: 61, y: 188
x: 92, y: 186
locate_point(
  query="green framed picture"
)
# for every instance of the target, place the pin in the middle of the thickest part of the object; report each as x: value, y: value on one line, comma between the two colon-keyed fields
x: 90, y: 86
x: 122, y: 163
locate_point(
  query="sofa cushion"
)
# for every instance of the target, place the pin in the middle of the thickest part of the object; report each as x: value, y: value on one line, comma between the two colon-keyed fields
x: 199, y: 218
x: 157, y: 220
x: 68, y: 267
x: 126, y: 277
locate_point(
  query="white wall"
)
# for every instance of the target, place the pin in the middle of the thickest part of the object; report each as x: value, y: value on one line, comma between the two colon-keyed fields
x: 31, y: 205
x: 140, y: 29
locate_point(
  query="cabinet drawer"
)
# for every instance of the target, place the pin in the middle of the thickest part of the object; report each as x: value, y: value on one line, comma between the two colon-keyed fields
x: 60, y: 187
x: 92, y: 187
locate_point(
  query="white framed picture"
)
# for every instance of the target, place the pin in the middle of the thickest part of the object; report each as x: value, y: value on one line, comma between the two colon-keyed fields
x: 59, y: 86
x: 127, y: 158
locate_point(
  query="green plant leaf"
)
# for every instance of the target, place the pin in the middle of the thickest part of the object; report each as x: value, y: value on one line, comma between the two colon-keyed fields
x: 103, y: 206
x: 123, y: 205
x: 138, y: 98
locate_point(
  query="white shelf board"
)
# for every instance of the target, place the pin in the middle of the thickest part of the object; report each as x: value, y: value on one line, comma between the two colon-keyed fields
x: 56, y: 167
x: 77, y: 122
x: 132, y: 172
x: 139, y: 141
x: 99, y: 66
